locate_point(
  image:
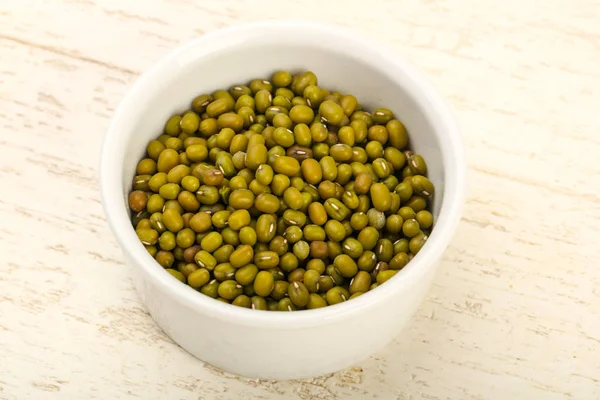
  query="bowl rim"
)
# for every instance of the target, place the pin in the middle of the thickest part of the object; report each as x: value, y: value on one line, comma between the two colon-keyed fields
x: 450, y: 211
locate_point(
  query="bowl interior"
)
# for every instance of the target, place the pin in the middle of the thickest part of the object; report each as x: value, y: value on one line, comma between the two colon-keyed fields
x: 343, y: 62
x: 228, y: 66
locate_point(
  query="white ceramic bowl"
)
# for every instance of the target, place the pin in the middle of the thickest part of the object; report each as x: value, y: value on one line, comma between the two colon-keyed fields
x: 279, y: 345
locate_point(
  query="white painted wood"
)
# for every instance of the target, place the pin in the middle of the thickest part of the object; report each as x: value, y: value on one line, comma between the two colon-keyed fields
x: 515, y: 309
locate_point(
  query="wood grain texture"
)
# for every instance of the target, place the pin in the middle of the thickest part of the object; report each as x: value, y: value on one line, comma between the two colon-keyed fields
x: 515, y: 309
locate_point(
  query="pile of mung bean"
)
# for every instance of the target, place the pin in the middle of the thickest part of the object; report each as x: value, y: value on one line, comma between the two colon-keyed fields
x: 282, y: 195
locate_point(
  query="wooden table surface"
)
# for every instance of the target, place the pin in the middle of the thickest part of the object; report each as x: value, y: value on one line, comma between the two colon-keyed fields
x: 515, y: 310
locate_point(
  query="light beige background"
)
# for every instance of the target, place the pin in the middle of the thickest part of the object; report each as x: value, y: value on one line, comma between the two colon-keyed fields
x: 515, y: 310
